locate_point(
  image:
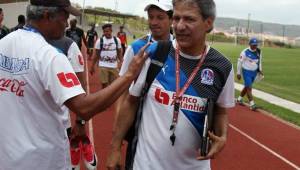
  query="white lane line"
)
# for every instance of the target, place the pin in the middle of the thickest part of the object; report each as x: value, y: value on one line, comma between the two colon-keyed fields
x: 265, y: 147
x: 91, y: 132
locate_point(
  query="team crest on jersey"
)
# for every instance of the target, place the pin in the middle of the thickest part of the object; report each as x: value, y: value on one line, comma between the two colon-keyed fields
x: 207, y: 77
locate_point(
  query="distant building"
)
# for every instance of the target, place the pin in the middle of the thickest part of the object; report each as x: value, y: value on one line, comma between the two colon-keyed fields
x: 297, y: 41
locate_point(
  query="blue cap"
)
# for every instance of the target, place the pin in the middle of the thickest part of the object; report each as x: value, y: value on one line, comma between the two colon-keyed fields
x: 253, y: 41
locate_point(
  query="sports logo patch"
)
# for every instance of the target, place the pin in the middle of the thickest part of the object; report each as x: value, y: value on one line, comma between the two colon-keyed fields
x: 188, y: 102
x: 68, y: 80
x: 207, y: 77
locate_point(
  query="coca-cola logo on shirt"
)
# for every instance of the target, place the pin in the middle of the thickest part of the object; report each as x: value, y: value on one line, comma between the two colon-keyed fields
x: 12, y: 85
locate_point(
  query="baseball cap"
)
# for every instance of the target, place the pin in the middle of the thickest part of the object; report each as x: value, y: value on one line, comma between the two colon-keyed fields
x: 165, y: 5
x: 253, y: 41
x: 66, y: 4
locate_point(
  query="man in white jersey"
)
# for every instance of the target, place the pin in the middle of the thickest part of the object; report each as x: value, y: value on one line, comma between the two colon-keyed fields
x: 250, y: 65
x: 159, y: 21
x: 108, y: 55
x: 174, y: 109
x: 36, y: 80
x: 80, y: 144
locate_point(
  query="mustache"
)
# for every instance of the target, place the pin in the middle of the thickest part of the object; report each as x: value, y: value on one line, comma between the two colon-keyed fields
x: 154, y: 27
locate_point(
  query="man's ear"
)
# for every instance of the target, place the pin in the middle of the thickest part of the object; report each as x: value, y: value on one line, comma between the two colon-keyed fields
x: 209, y: 24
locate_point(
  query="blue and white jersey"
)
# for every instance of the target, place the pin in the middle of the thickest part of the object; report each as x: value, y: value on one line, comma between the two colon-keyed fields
x: 214, y: 80
x: 133, y: 49
x: 249, y: 60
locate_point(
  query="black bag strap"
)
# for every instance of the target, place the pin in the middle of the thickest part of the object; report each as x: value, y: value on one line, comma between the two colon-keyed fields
x: 116, y: 41
x: 161, y: 54
x: 101, y: 43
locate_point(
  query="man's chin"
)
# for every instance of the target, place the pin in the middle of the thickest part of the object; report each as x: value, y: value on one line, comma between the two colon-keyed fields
x: 183, y: 44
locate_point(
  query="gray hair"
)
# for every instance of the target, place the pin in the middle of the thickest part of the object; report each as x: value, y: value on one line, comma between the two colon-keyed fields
x: 34, y: 12
x: 207, y: 8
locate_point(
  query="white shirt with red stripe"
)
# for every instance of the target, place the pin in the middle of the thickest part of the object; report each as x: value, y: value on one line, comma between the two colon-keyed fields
x: 35, y: 81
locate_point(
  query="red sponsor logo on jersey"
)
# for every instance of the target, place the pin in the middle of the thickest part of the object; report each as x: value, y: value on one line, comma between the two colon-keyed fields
x: 80, y: 59
x: 162, y: 97
x: 191, y: 103
x: 68, y: 79
x: 13, y: 86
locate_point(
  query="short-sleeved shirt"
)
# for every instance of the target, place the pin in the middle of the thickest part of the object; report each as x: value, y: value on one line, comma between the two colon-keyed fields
x: 108, y: 53
x: 215, y: 80
x: 122, y: 37
x: 250, y: 60
x: 67, y: 46
x: 3, y: 31
x: 91, y: 34
x: 134, y: 48
x: 76, y: 35
x: 35, y: 81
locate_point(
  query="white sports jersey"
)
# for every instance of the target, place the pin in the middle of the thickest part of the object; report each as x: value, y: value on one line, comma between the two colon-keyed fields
x: 35, y: 81
x: 72, y: 51
x: 249, y: 60
x: 75, y: 57
x: 133, y: 49
x: 215, y: 80
x: 108, y: 55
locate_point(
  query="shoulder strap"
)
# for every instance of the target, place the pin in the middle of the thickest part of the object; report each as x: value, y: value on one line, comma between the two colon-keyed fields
x: 116, y: 41
x: 101, y: 43
x: 161, y: 54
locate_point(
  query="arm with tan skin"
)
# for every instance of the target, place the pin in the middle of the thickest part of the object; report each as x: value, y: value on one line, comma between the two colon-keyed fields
x: 84, y: 40
x: 125, y: 117
x: 219, y: 136
x: 86, y: 106
x: 79, y: 130
x: 95, y: 60
x: 120, y: 57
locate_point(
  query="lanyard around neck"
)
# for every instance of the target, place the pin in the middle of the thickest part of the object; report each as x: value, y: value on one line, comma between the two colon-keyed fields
x: 180, y: 92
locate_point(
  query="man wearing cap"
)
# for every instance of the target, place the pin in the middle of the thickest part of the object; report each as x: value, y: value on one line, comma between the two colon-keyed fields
x: 249, y: 64
x: 36, y: 80
x: 159, y: 21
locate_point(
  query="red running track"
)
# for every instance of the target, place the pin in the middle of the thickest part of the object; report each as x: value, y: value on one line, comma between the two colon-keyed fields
x: 256, y: 141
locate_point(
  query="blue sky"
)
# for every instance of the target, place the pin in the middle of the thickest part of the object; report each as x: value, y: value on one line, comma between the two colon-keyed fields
x: 274, y: 11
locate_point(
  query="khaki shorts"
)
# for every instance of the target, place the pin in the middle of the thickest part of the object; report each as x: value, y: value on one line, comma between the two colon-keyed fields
x: 108, y: 75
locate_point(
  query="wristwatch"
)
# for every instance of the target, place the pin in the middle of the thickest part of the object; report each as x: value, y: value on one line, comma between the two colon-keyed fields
x: 80, y: 122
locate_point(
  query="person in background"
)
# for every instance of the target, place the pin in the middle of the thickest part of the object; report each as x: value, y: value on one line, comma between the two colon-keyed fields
x: 80, y: 144
x: 91, y: 37
x: 250, y: 66
x: 76, y: 34
x: 3, y: 29
x: 122, y: 36
x: 21, y: 23
x: 108, y: 55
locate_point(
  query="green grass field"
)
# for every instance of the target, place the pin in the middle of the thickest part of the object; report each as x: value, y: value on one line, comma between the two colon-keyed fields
x: 281, y: 68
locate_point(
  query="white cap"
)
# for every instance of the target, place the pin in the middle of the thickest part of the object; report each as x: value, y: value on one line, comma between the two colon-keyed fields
x: 165, y: 5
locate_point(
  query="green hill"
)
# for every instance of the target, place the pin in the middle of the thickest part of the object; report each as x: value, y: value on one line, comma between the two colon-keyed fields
x: 291, y: 31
